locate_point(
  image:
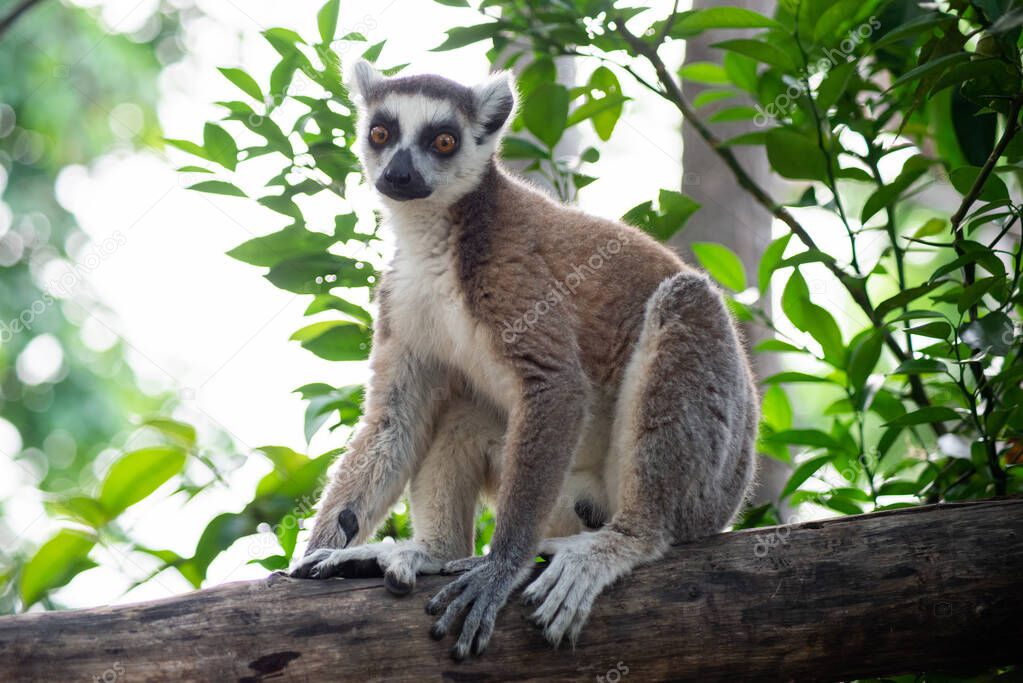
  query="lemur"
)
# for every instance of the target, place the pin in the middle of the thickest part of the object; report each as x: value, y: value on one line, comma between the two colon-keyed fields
x: 567, y: 368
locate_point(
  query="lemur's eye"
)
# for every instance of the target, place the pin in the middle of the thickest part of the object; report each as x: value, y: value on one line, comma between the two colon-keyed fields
x: 445, y: 143
x: 379, y: 135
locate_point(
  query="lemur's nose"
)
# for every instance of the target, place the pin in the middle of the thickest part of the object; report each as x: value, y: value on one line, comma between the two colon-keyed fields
x: 397, y: 176
x: 399, y: 171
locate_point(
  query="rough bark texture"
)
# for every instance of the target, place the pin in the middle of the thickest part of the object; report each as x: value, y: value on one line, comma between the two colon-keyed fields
x: 728, y: 215
x: 922, y: 588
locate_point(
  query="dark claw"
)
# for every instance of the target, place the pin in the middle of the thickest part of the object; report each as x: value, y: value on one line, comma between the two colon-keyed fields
x: 436, y: 632
x: 457, y: 654
x: 349, y: 525
x: 396, y: 586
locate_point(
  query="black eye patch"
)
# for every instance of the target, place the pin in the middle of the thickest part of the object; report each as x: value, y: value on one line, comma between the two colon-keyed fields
x: 431, y: 130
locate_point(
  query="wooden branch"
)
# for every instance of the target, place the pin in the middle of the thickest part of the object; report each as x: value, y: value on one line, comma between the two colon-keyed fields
x: 902, y: 591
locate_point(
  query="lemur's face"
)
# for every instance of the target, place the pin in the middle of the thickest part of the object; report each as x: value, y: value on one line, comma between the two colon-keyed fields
x: 426, y: 137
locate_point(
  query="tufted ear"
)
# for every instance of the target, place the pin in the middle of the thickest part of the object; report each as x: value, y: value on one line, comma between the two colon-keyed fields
x: 363, y: 78
x: 495, y: 101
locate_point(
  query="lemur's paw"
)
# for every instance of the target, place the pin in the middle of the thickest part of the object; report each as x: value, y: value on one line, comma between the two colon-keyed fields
x: 567, y: 588
x: 360, y: 562
x: 463, y: 565
x: 483, y: 591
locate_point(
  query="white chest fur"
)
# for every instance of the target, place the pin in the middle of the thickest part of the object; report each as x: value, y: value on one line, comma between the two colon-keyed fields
x: 428, y: 310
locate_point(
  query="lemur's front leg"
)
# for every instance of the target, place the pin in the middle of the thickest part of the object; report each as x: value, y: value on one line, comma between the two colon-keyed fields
x: 543, y: 433
x: 400, y: 410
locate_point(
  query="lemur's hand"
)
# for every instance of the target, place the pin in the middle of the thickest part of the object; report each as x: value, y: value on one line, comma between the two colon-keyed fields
x: 483, y: 590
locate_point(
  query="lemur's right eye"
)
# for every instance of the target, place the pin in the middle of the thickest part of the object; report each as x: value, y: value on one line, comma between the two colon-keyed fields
x: 379, y: 135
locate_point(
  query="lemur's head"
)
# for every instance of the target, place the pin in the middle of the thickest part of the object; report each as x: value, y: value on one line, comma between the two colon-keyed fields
x: 428, y: 137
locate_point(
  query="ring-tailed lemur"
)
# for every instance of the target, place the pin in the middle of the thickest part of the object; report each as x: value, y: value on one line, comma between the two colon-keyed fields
x: 566, y: 366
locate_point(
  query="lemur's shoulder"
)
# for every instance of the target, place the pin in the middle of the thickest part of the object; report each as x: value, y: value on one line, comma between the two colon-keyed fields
x: 510, y: 218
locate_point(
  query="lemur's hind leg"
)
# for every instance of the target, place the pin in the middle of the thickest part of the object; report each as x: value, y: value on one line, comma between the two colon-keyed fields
x: 683, y: 438
x: 443, y: 496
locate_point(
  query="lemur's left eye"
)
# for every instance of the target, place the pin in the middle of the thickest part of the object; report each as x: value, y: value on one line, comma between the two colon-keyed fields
x: 445, y: 143
x: 379, y: 135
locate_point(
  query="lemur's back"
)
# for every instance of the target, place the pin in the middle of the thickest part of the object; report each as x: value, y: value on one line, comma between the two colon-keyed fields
x: 598, y: 273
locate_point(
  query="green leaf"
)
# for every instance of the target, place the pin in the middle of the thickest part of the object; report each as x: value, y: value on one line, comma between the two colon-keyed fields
x: 770, y: 260
x: 689, y: 24
x: 220, y: 146
x: 711, y: 96
x: 994, y: 334
x: 806, y: 437
x: 760, y: 51
x: 246, y: 83
x: 863, y: 358
x: 905, y: 297
x: 793, y: 155
x: 137, y: 474
x: 188, y: 146
x: 663, y: 222
x: 319, y: 273
x: 964, y: 178
x: 329, y: 302
x: 460, y: 36
x: 547, y: 114
x: 520, y: 148
x: 270, y: 250
x: 921, y: 366
x: 218, y: 187
x: 889, y: 193
x: 811, y: 318
x: 56, y: 562
x: 776, y: 345
x: 776, y: 411
x: 372, y: 53
x: 326, y: 20
x: 803, y: 472
x: 722, y: 263
x: 792, y: 377
x: 335, y: 340
x: 926, y: 415
x: 604, y: 112
x: 183, y: 434
x: 935, y: 226
x: 931, y: 67
x: 707, y: 73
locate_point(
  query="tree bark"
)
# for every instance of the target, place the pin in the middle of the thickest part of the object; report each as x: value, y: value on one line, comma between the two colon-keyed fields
x: 901, y: 591
x: 728, y: 215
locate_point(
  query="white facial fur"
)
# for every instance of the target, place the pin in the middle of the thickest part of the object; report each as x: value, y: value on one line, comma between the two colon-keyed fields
x: 448, y: 178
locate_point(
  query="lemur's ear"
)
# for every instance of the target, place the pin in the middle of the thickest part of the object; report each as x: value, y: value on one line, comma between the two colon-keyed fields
x: 363, y: 77
x: 495, y: 100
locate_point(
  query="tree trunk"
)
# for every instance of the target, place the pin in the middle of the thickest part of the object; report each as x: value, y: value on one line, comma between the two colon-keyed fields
x: 902, y: 591
x: 728, y: 215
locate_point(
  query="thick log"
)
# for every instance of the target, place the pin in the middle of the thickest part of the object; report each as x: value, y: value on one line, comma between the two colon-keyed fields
x: 909, y: 590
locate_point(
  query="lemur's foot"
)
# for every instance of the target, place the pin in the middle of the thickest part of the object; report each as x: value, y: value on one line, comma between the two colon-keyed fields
x: 481, y: 593
x: 582, y: 567
x: 463, y: 565
x: 397, y: 562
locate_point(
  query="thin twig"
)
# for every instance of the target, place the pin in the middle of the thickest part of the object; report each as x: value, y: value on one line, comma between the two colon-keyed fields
x: 15, y: 14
